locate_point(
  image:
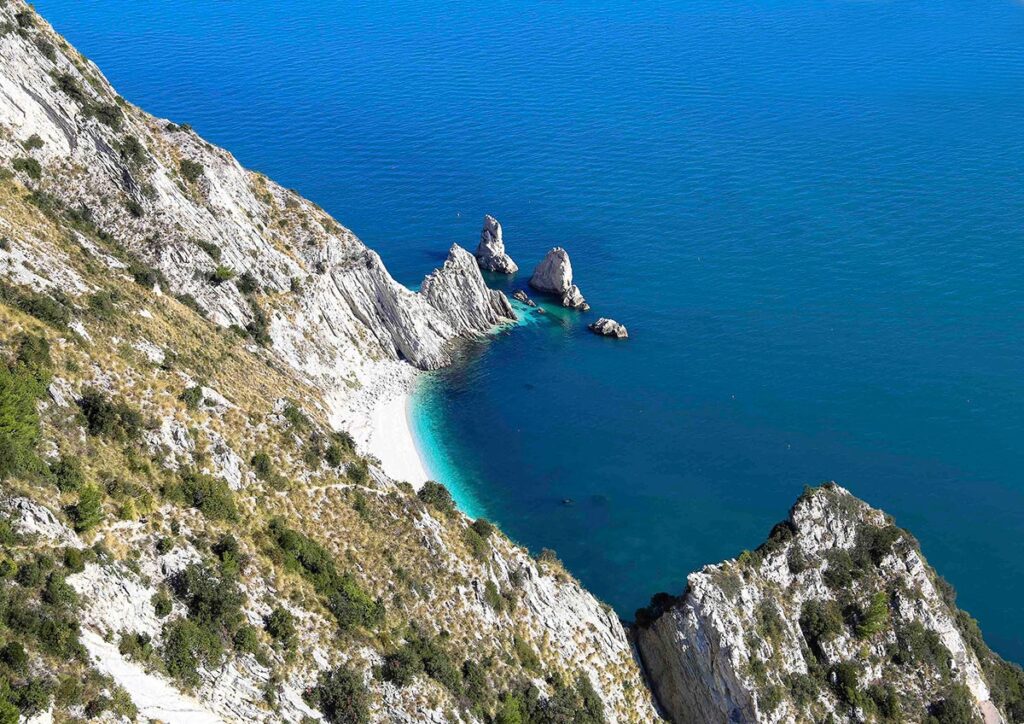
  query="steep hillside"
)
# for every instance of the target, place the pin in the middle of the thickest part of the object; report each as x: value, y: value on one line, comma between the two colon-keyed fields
x: 836, y: 616
x: 188, y: 532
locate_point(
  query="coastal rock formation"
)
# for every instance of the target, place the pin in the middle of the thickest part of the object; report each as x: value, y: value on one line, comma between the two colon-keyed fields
x: 554, y: 276
x: 522, y: 297
x: 837, y: 615
x: 490, y: 253
x: 458, y: 291
x: 608, y: 328
x: 231, y: 333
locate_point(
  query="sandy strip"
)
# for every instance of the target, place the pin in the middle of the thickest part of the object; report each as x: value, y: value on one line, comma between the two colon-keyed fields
x: 392, y: 442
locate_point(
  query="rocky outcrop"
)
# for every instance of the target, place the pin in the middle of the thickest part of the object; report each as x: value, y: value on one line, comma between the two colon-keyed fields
x: 554, y: 276
x: 608, y: 328
x: 837, y: 614
x: 521, y: 296
x: 221, y: 236
x: 490, y: 253
x: 459, y: 293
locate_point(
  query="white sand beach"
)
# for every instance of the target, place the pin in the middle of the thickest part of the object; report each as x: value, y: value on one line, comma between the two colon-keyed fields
x: 378, y: 418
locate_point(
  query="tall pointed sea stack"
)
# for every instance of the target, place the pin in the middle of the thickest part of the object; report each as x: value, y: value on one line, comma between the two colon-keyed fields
x: 490, y: 252
x: 554, y: 276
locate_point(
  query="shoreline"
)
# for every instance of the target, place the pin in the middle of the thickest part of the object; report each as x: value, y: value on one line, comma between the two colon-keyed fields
x: 392, y: 440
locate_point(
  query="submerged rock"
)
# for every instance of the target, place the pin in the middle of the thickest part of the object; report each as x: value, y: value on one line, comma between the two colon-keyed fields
x: 554, y: 276
x: 458, y: 291
x: 490, y: 252
x: 609, y: 328
x: 520, y: 295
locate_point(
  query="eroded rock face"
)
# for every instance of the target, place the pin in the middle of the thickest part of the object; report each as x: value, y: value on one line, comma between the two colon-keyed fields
x: 836, y: 591
x: 554, y: 276
x: 458, y: 292
x: 609, y: 328
x: 490, y: 253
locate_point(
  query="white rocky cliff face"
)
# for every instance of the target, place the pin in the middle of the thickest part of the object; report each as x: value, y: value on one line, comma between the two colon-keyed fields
x: 458, y: 292
x: 490, y: 253
x: 837, y: 615
x: 215, y: 281
x: 554, y: 276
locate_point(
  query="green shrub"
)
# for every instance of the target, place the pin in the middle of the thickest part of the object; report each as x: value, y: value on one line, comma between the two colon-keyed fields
x: 295, y: 416
x: 135, y: 208
x: 846, y: 683
x: 192, y: 397
x: 21, y: 386
x: 106, y: 113
x: 262, y: 466
x: 187, y: 646
x: 67, y: 474
x: 919, y: 646
x: 70, y: 87
x: 116, y: 420
x: 146, y: 276
x: 87, y: 513
x: 875, y: 618
x: 820, y: 621
x: 352, y: 606
x: 191, y: 171
x: 259, y: 327
x: 887, y: 702
x: 341, y: 696
x: 493, y: 597
x: 956, y: 707
x: 103, y: 305
x: 437, y: 496
x: 401, y: 666
x: 247, y: 284
x: 133, y: 151
x: 162, y: 604
x: 58, y: 593
x: 474, y: 680
x: 525, y: 653
x: 246, y: 640
x: 74, y: 560
x: 358, y: 471
x: 136, y: 646
x: 28, y: 166
x: 483, y: 528
x: 33, y: 142
x: 41, y: 306
x: 209, y: 495
x: 221, y: 274
x: 210, y: 248
x: 280, y: 624
x: 477, y: 545
x: 13, y: 656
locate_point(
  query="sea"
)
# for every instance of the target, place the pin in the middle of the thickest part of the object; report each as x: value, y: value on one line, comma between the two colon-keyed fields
x: 808, y: 213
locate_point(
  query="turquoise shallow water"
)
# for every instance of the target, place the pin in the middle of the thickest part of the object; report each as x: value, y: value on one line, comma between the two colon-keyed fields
x: 807, y: 213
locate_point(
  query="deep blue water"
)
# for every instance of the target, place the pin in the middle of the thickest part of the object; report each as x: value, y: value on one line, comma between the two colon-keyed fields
x: 809, y: 214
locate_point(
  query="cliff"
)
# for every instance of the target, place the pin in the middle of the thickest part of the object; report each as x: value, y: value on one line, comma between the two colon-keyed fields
x: 187, y: 530
x: 837, y: 615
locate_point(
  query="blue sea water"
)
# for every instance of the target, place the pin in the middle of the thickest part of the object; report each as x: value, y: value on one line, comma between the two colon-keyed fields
x: 808, y: 213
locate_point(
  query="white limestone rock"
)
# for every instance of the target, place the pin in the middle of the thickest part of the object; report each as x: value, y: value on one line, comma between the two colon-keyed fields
x: 699, y: 649
x: 608, y: 328
x: 490, y: 253
x: 459, y: 293
x: 554, y: 276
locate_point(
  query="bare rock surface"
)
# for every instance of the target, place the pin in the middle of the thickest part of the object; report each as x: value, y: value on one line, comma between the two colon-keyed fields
x: 490, y: 253
x: 608, y: 328
x: 554, y: 276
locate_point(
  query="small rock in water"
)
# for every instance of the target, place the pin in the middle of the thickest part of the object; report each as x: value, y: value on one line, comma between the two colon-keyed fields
x: 490, y: 253
x: 521, y: 296
x: 554, y: 276
x: 567, y: 501
x: 609, y: 328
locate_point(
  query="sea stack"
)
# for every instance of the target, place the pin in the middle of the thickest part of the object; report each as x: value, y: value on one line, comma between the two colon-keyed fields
x: 554, y: 276
x: 609, y: 328
x: 490, y: 252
